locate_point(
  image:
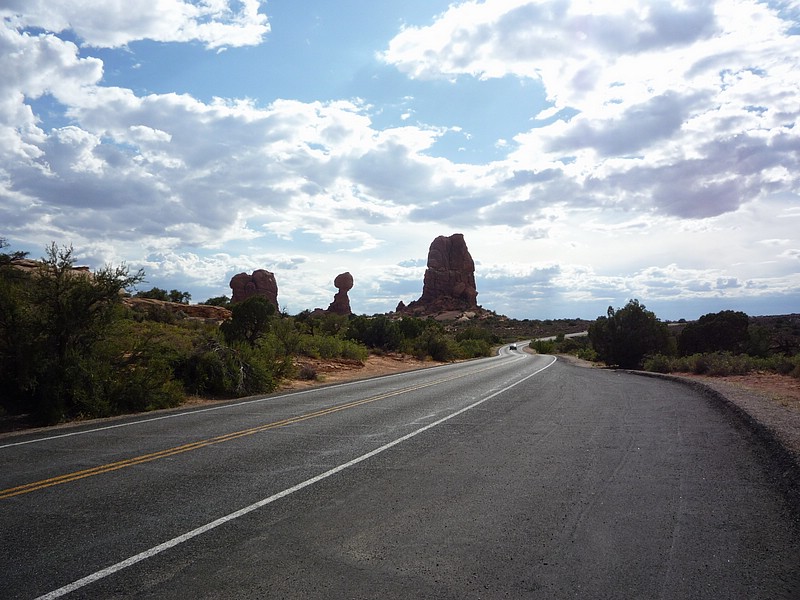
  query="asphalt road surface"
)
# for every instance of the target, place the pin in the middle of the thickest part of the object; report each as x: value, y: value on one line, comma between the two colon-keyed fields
x: 510, y: 477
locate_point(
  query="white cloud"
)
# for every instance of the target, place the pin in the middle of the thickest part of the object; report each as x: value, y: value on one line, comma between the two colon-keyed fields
x: 684, y: 109
x: 672, y: 126
x: 114, y: 23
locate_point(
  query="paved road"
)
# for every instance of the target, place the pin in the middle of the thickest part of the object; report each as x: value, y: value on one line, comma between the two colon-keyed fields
x: 508, y: 477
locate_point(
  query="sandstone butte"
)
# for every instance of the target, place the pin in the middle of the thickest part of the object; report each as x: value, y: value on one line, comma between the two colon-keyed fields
x: 260, y: 283
x: 449, y: 284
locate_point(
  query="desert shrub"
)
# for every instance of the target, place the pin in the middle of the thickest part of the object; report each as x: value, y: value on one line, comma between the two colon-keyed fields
x: 207, y: 372
x: 309, y: 346
x: 477, y: 333
x: 249, y: 320
x: 474, y: 348
x: 659, y: 363
x: 52, y: 325
x: 307, y: 373
x: 626, y: 335
x: 159, y: 314
x: 377, y: 332
x: 141, y: 358
x: 778, y: 363
x: 231, y: 371
x: 796, y: 371
x: 354, y: 351
x: 144, y: 387
x: 721, y: 364
x: 544, y: 346
x: 328, y: 346
x: 412, y: 327
x: 437, y: 346
x: 316, y: 323
x: 725, y: 331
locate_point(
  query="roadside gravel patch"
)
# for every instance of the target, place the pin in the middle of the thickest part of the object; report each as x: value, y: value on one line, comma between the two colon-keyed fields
x: 776, y: 427
x: 772, y: 415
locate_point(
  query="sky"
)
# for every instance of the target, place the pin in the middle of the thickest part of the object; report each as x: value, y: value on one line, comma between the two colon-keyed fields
x: 591, y: 152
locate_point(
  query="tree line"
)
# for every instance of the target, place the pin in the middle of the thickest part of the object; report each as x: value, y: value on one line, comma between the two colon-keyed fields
x: 721, y: 343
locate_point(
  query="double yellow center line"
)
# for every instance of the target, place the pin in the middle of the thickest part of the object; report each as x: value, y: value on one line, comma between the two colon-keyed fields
x: 145, y: 458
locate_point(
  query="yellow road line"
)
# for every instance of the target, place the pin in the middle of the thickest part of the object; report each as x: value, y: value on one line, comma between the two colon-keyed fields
x: 145, y: 458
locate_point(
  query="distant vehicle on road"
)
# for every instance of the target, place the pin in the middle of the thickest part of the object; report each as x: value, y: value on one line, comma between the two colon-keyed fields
x: 512, y: 347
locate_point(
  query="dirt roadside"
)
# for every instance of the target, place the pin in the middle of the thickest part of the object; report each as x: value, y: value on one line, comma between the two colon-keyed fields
x: 340, y: 370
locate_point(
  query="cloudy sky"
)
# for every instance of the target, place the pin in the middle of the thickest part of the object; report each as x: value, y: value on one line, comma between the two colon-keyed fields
x: 589, y: 151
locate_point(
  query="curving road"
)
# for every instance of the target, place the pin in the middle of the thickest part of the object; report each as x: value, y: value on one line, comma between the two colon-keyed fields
x: 515, y: 476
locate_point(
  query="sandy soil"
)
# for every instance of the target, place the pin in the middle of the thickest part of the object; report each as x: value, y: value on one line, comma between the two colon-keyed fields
x: 337, y: 371
x: 770, y: 399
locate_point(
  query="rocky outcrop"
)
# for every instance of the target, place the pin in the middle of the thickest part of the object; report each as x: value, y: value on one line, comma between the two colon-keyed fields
x: 449, y: 283
x: 201, y: 312
x: 260, y: 283
x: 35, y: 266
x: 341, y: 301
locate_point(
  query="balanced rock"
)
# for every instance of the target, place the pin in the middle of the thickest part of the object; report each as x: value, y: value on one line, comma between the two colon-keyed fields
x: 341, y: 301
x: 449, y: 283
x: 260, y: 283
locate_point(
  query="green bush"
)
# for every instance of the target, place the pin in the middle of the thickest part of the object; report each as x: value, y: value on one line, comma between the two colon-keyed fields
x: 721, y: 364
x: 231, y: 371
x: 725, y: 331
x: 659, y: 363
x: 544, y: 346
x: 52, y: 325
x: 354, y: 351
x: 627, y: 335
x: 328, y: 346
x: 476, y: 333
x: 436, y: 346
x: 378, y: 332
x: 249, y: 320
x: 474, y: 348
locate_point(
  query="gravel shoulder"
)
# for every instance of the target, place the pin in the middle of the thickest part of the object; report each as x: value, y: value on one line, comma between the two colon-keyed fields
x: 769, y: 400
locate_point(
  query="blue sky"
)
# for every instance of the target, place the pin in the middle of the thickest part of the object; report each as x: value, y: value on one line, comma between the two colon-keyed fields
x: 590, y: 152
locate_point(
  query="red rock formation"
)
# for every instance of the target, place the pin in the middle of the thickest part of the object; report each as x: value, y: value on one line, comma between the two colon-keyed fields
x: 201, y: 312
x: 449, y: 283
x: 341, y: 301
x: 260, y: 283
x: 34, y: 266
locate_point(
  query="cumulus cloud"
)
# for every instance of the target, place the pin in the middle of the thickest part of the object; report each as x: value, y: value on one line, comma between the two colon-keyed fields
x: 682, y: 109
x: 664, y: 121
x: 114, y: 23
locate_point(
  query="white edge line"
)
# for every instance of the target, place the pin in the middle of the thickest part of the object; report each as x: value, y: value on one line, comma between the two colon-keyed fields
x: 202, y: 410
x: 128, y: 562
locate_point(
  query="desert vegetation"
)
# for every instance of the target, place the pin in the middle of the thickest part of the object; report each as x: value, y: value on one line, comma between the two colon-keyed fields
x: 717, y: 344
x: 70, y: 348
